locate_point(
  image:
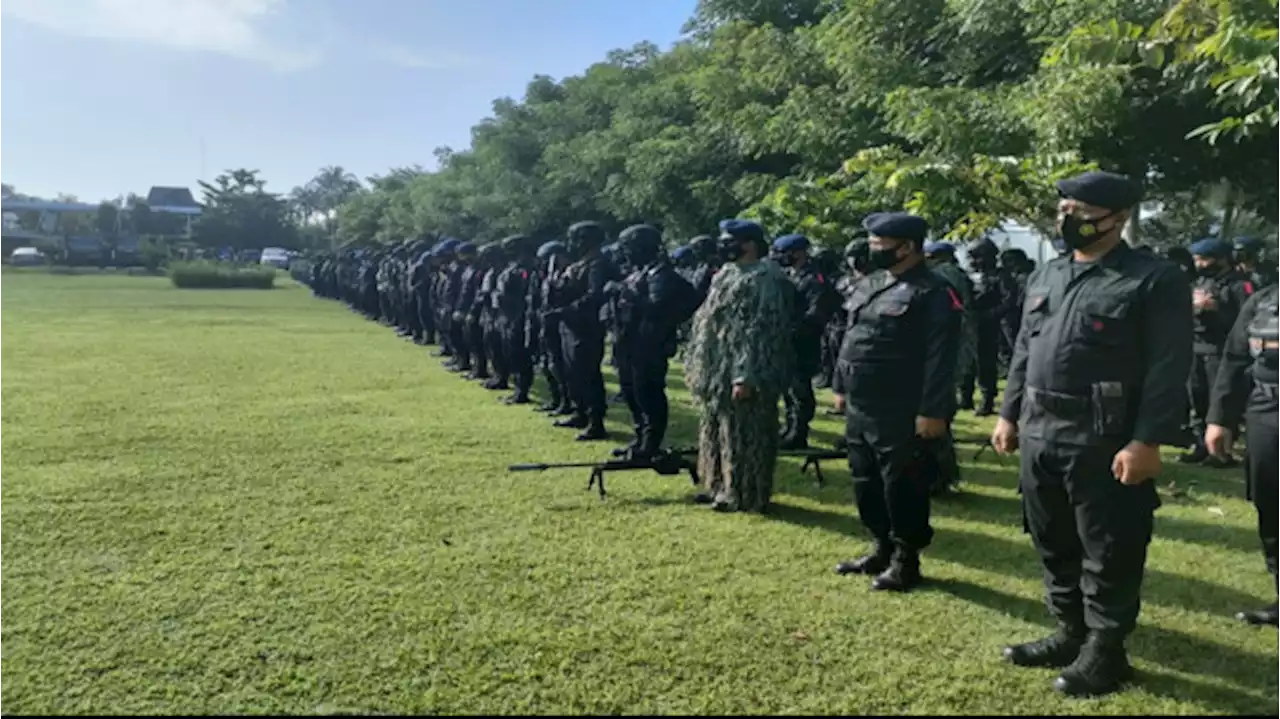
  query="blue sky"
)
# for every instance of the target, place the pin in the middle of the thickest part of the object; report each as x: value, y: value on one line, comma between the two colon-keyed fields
x: 104, y: 97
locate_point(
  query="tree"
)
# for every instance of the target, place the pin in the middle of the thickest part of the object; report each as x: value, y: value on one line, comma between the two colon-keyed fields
x: 239, y: 213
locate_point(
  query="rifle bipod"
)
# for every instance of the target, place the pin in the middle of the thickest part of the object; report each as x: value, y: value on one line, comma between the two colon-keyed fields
x: 813, y: 458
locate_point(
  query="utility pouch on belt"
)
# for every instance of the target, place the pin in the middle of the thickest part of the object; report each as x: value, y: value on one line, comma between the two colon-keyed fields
x: 1109, y: 408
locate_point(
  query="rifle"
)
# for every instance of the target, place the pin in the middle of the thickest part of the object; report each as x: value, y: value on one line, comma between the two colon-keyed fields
x: 667, y: 462
x: 813, y: 458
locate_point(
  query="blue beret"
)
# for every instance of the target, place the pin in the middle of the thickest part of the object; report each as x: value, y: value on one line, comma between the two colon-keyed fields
x: 1210, y: 247
x: 933, y: 248
x: 898, y: 225
x: 465, y: 248
x: 1248, y: 243
x: 743, y: 229
x: 788, y: 243
x: 682, y: 252
x: 1102, y: 189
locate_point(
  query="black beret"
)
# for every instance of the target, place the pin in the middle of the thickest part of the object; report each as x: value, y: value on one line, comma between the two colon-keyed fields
x: 1101, y: 189
x: 898, y: 225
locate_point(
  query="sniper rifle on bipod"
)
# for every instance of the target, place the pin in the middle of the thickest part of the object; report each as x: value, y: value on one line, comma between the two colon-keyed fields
x: 667, y: 462
x: 813, y: 458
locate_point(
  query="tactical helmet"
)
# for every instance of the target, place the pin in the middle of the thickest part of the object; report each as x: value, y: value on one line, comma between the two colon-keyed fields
x: 641, y: 244
x: 515, y: 245
x: 704, y: 247
x: 585, y: 236
x: 553, y: 247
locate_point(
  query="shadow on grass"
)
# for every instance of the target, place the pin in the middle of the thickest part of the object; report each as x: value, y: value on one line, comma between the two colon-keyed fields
x: 1007, y: 511
x: 1166, y: 648
x: 1018, y: 559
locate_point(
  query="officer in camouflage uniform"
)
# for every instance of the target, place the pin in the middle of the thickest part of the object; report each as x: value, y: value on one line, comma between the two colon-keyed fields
x: 739, y: 360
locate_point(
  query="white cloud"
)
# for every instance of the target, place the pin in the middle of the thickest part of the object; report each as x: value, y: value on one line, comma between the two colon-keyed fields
x: 407, y: 57
x: 229, y: 27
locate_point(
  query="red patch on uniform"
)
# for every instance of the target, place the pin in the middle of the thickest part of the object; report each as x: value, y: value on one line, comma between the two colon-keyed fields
x: 956, y: 304
x: 524, y: 275
x: 820, y: 280
x: 1248, y: 287
x: 1097, y: 325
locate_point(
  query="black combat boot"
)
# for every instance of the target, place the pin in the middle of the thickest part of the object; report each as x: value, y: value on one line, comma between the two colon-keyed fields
x: 497, y: 383
x: 516, y: 398
x: 1266, y: 615
x: 626, y: 449
x: 966, y: 402
x: 575, y: 421
x: 903, y: 573
x: 551, y: 406
x: 874, y: 563
x: 595, y: 431
x: 1101, y: 668
x: 1213, y: 461
x: 1196, y: 455
x: 1056, y: 651
x: 988, y: 407
x: 564, y: 410
x: 797, y: 439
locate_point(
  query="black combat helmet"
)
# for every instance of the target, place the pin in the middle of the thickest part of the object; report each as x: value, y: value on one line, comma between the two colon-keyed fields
x: 585, y: 237
x: 514, y: 246
x: 641, y: 244
x: 704, y: 248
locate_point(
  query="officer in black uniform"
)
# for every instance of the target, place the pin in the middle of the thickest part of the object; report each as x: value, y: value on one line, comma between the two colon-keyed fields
x: 511, y: 303
x: 553, y: 257
x: 896, y: 383
x: 814, y: 300
x: 1096, y: 385
x: 1246, y: 384
x: 444, y: 252
x: 991, y: 300
x: 1216, y: 298
x: 579, y: 296
x: 456, y: 288
x: 706, y: 252
x: 649, y: 305
x: 1252, y: 261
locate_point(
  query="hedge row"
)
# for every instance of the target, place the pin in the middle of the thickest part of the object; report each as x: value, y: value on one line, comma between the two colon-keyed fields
x: 205, y: 274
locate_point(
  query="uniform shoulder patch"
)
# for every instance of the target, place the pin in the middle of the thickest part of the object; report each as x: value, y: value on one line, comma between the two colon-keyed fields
x: 1248, y: 288
x: 956, y: 304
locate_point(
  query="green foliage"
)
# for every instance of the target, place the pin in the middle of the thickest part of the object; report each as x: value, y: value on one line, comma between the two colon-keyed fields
x: 239, y: 213
x: 207, y: 274
x: 154, y: 252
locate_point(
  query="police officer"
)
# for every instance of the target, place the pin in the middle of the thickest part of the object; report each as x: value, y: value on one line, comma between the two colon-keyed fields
x: 896, y: 383
x: 706, y: 252
x: 855, y: 266
x: 459, y: 278
x: 813, y: 305
x: 579, y: 296
x: 991, y: 296
x: 1096, y: 385
x: 1251, y: 260
x: 511, y: 303
x: 553, y: 257
x: 650, y: 304
x: 941, y: 258
x: 1216, y: 298
x: 1246, y: 384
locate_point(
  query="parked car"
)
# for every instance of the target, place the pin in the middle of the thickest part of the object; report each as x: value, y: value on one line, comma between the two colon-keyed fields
x: 26, y: 256
x: 276, y: 257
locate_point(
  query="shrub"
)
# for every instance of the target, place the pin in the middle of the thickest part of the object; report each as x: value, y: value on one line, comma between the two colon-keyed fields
x: 205, y: 274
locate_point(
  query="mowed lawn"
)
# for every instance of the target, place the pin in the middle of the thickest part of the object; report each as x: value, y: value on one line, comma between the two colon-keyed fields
x: 260, y: 502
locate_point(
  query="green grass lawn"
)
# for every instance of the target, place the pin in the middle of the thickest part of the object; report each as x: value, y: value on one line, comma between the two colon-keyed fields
x: 260, y: 502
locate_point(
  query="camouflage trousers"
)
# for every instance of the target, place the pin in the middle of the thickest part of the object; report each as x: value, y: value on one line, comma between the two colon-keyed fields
x: 738, y: 451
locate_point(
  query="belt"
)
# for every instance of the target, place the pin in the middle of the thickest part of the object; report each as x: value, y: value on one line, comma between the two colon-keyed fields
x: 1059, y: 403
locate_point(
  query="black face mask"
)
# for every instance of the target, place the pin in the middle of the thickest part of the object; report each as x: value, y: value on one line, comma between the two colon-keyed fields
x: 1079, y: 234
x: 885, y: 258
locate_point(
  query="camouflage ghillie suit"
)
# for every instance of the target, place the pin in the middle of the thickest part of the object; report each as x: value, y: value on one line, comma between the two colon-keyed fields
x: 741, y: 333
